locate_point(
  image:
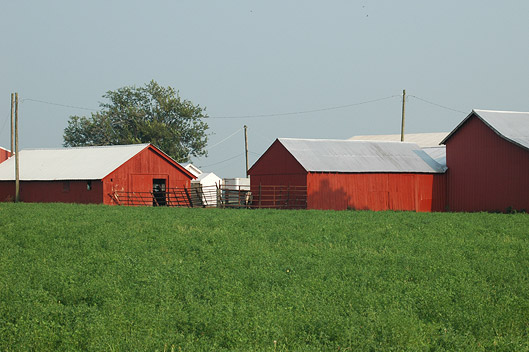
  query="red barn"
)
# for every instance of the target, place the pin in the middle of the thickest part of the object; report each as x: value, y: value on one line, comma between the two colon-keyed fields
x: 487, y: 156
x: 91, y: 174
x: 341, y: 174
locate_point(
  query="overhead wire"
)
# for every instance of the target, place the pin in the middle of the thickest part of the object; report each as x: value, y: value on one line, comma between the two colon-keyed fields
x: 304, y: 111
x: 268, y: 115
x: 438, y: 105
x: 223, y: 161
x: 57, y: 104
x: 4, y: 124
x: 225, y: 139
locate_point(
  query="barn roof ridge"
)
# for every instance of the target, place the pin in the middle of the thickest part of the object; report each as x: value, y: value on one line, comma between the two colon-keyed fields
x: 513, y: 126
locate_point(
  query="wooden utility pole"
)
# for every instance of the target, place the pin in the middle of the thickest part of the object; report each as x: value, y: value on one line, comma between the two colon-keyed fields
x: 12, y: 123
x: 246, y: 147
x: 403, y: 114
x: 17, y: 158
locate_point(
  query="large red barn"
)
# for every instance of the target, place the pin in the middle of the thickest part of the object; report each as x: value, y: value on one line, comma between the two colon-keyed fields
x: 487, y: 156
x: 341, y: 174
x: 91, y: 174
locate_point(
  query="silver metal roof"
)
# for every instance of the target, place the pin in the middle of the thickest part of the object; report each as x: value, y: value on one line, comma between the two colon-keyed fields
x: 325, y: 155
x: 82, y: 163
x: 437, y: 153
x: 431, y: 139
x: 510, y: 125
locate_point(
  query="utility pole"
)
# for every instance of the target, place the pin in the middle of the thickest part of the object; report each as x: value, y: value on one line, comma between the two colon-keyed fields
x: 17, y: 157
x: 12, y: 123
x: 246, y: 147
x: 403, y: 114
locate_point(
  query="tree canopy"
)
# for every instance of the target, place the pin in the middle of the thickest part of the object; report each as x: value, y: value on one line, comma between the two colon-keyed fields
x: 149, y: 114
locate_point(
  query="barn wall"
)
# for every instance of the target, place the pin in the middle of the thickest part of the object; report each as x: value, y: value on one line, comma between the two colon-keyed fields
x: 277, y: 161
x: 485, y: 172
x: 376, y: 191
x: 137, y: 174
x: 53, y: 191
x: 277, y: 167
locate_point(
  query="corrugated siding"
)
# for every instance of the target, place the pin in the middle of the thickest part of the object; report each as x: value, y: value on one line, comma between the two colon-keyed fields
x: 485, y: 172
x: 376, y: 191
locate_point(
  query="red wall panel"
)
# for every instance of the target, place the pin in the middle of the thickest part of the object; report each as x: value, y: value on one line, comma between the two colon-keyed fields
x: 374, y: 191
x: 53, y: 191
x: 485, y: 172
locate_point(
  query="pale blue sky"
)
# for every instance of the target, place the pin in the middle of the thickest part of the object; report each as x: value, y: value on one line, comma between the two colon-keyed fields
x: 241, y: 58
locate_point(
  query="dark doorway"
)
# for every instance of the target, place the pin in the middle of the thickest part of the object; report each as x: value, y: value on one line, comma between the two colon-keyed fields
x: 158, y: 192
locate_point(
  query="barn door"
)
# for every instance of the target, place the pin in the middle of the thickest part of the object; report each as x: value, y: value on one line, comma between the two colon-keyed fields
x: 159, y: 192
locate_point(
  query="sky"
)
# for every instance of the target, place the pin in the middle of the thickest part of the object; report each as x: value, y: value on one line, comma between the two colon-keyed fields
x: 314, y: 69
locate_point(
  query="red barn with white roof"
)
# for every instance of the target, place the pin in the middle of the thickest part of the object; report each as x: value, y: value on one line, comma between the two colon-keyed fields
x: 90, y: 174
x: 343, y: 174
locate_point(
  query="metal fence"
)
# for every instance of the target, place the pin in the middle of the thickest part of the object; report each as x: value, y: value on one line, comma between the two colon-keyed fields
x: 260, y: 196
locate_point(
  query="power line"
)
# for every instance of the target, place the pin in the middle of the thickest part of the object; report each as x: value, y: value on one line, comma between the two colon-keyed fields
x: 223, y: 161
x: 302, y: 112
x: 438, y: 105
x: 4, y: 124
x: 225, y: 139
x: 57, y: 104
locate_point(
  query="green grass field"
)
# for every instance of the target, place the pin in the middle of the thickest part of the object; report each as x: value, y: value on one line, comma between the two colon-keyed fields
x: 99, y: 278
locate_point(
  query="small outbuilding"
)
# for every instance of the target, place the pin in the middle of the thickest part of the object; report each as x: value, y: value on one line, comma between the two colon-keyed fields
x: 344, y: 174
x: 121, y: 174
x: 487, y: 156
x: 207, y: 184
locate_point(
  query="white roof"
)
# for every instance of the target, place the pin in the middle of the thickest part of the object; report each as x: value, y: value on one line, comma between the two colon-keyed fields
x: 192, y: 168
x: 81, y: 163
x: 207, y: 178
x: 437, y: 153
x: 510, y: 125
x: 325, y: 155
x: 422, y: 139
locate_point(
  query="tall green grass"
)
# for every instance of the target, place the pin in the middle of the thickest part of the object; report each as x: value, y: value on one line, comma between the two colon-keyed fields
x: 99, y: 278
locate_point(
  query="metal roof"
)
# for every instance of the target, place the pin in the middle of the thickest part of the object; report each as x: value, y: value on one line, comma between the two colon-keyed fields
x: 325, y: 155
x: 422, y: 139
x: 510, y: 125
x: 81, y: 163
x: 192, y: 169
x: 437, y: 153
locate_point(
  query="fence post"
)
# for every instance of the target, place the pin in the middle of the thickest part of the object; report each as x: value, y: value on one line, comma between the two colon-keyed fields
x: 188, y: 198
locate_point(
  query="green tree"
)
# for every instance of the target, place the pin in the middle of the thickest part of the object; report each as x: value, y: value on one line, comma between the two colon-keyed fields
x: 149, y: 114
